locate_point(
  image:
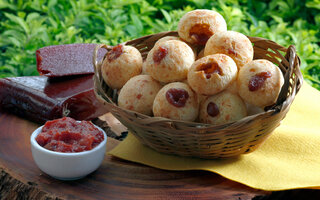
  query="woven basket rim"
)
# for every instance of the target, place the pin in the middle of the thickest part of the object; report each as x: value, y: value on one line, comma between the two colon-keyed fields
x: 274, y: 109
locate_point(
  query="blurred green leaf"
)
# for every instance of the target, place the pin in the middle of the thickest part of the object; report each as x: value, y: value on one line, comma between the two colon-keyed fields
x: 26, y: 25
x: 313, y: 4
x: 19, y: 21
x: 137, y: 23
x: 166, y: 15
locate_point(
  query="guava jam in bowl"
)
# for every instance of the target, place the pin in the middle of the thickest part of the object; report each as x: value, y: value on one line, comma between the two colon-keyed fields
x: 67, y: 149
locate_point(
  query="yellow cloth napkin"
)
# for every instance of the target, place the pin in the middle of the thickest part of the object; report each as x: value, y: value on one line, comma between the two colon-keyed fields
x: 289, y: 158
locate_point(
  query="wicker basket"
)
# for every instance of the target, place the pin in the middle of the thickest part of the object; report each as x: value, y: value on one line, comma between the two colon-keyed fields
x: 205, y: 140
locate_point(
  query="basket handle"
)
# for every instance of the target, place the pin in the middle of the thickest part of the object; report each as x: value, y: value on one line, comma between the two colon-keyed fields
x: 293, y: 59
x: 98, y: 79
x: 96, y: 63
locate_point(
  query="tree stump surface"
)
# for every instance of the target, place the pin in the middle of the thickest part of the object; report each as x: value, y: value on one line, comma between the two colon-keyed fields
x: 20, y: 178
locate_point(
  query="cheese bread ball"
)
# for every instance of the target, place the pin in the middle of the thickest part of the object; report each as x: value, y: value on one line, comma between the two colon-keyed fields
x: 234, y: 44
x: 167, y: 38
x: 260, y: 82
x: 169, y: 61
x: 222, y: 108
x: 176, y: 101
x: 197, y: 26
x: 212, y: 74
x: 201, y: 98
x: 252, y: 109
x: 232, y: 87
x: 144, y: 68
x: 138, y: 94
x: 120, y: 64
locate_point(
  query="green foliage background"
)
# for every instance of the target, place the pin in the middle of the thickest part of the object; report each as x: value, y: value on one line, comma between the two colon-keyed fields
x: 26, y: 25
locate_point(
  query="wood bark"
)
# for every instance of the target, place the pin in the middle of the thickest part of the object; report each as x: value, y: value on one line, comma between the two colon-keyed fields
x: 20, y: 178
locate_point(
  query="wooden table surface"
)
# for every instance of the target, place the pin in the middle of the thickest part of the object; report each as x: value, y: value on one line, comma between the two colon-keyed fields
x: 20, y: 178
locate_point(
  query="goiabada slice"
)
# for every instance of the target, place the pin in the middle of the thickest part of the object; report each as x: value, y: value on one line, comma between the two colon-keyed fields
x: 67, y: 60
x: 38, y: 98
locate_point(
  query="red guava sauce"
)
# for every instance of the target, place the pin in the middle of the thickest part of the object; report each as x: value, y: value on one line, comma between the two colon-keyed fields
x: 159, y: 54
x: 177, y: 97
x: 115, y: 52
x: 213, y: 109
x: 257, y: 81
x: 68, y: 135
x: 211, y: 68
x: 200, y: 33
x: 232, y: 51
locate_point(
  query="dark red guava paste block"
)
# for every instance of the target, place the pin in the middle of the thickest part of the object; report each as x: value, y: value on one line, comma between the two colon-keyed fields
x: 39, y: 99
x: 68, y: 135
x: 67, y: 60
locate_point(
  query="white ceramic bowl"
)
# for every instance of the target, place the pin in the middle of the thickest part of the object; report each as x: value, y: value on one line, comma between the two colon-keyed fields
x: 67, y: 166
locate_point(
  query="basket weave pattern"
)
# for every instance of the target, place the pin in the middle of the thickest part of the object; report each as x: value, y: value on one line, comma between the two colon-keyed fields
x: 205, y: 140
